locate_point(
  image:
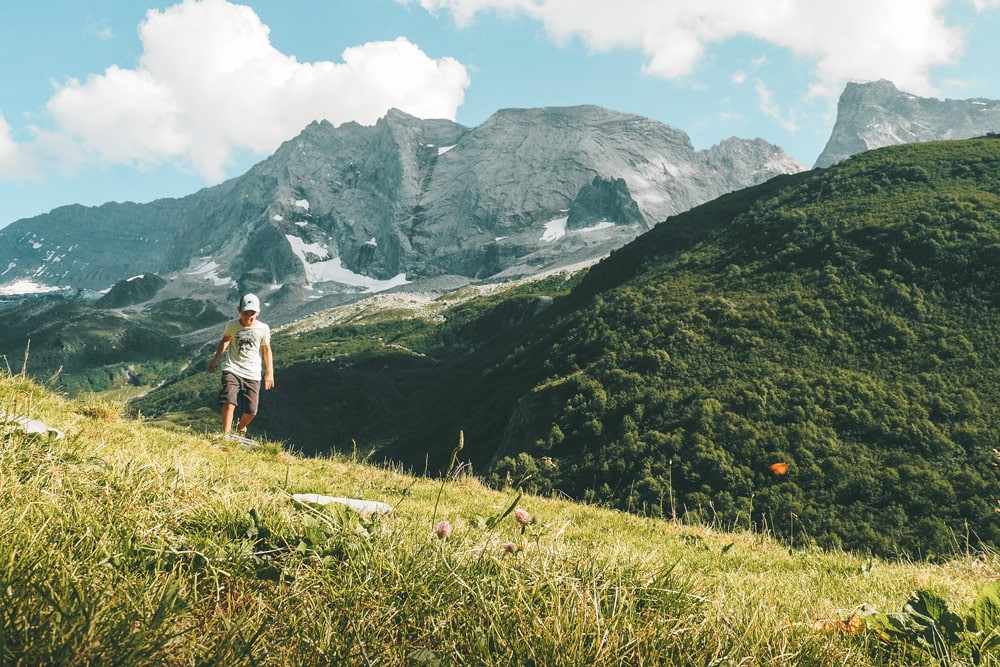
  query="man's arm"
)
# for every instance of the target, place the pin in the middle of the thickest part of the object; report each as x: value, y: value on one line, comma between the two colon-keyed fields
x: 223, y: 344
x: 268, y: 366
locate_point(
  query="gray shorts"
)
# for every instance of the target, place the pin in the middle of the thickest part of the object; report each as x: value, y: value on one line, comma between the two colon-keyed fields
x: 240, y: 391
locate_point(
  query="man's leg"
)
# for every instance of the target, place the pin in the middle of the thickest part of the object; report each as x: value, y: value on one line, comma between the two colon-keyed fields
x: 227, y: 416
x: 245, y: 419
x: 228, y: 398
x: 249, y: 397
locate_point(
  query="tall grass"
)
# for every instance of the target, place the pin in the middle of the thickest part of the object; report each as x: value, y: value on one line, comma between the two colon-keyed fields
x: 123, y: 544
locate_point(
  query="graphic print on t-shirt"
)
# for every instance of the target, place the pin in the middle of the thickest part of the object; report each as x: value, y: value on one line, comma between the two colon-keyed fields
x: 246, y: 342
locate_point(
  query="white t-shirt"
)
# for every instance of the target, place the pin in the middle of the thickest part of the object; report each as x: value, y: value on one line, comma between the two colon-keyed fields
x: 243, y: 356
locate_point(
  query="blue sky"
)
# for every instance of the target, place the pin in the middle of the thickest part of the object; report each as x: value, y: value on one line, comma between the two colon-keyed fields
x: 130, y: 100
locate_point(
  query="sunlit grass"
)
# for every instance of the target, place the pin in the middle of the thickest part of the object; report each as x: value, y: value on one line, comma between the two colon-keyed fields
x: 124, y: 543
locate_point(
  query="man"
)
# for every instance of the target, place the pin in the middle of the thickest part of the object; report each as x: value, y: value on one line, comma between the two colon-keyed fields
x: 245, y: 342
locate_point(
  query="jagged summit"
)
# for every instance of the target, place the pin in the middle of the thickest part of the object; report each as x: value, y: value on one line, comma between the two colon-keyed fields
x: 340, y: 211
x: 876, y: 114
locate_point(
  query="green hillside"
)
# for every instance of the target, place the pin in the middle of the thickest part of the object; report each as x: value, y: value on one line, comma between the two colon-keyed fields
x: 126, y: 544
x: 842, y: 322
x: 89, y: 347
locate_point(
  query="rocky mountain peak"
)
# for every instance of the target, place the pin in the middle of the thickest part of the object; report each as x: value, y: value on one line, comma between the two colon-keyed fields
x: 876, y: 114
x: 338, y: 212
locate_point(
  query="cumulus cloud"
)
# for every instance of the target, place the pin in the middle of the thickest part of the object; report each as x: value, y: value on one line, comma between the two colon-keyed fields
x: 209, y: 83
x: 900, y: 40
x: 16, y: 161
x: 769, y: 108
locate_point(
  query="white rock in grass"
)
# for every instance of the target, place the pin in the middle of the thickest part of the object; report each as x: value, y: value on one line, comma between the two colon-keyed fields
x: 362, y: 506
x: 8, y: 421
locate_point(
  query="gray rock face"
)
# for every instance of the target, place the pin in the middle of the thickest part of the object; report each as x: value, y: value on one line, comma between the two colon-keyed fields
x: 339, y: 211
x: 83, y: 247
x: 877, y: 114
x: 132, y: 291
x: 604, y: 201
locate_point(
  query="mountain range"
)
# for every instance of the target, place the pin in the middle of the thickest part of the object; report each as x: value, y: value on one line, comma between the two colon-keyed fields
x: 837, y: 322
x: 814, y: 356
x: 877, y: 114
x: 342, y: 211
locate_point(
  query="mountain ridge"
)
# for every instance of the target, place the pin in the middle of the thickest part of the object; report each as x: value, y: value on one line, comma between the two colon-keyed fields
x: 877, y: 114
x: 340, y: 211
x: 840, y: 322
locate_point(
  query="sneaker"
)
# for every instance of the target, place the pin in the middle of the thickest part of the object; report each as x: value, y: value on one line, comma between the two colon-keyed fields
x: 242, y: 432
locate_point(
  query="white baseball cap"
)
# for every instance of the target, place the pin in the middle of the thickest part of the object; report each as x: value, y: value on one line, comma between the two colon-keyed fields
x: 250, y: 302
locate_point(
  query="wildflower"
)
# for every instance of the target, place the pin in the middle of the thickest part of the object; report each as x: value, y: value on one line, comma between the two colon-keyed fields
x: 509, y: 548
x: 522, y: 517
x: 443, y: 530
x: 852, y: 625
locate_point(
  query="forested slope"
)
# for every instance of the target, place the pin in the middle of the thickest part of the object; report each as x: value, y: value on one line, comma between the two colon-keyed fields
x: 845, y: 324
x: 842, y: 321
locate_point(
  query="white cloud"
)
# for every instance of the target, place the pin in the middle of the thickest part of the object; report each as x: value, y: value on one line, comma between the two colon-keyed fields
x: 900, y: 40
x: 770, y: 108
x: 100, y: 29
x: 210, y: 83
x: 16, y: 161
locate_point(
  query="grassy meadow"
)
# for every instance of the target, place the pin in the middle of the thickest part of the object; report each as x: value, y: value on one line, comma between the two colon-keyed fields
x: 841, y: 321
x: 126, y: 544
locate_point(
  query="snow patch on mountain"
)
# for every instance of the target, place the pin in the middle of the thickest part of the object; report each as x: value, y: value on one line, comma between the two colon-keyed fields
x: 321, y: 268
x: 19, y: 287
x: 208, y: 270
x: 556, y: 229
